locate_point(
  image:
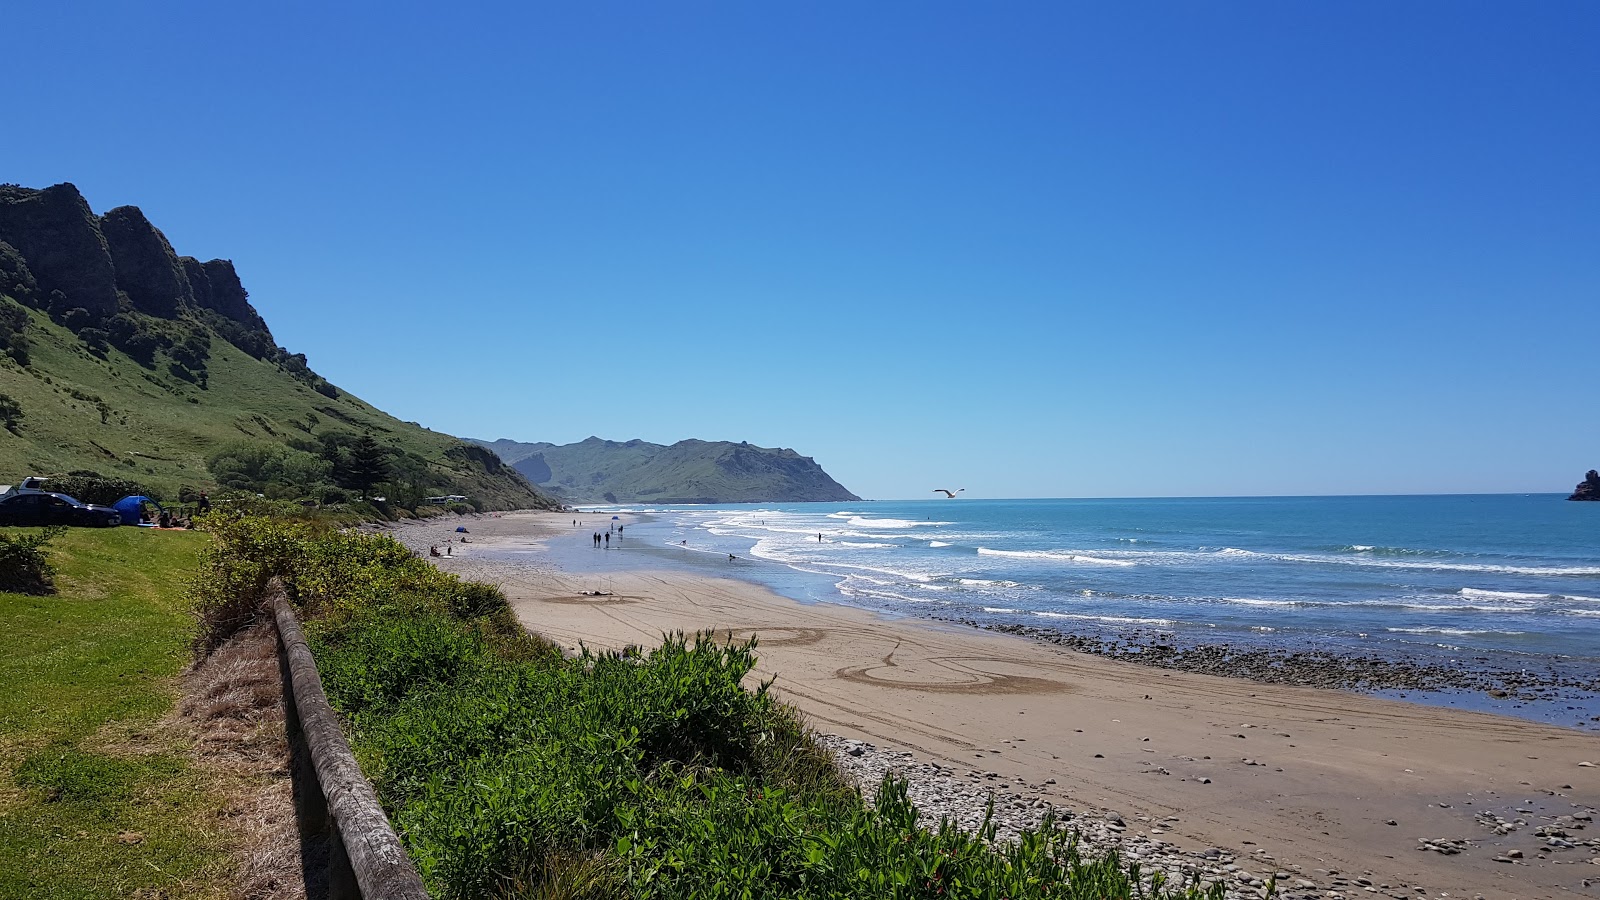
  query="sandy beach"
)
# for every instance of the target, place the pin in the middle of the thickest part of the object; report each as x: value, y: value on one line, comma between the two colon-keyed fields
x: 1342, y: 793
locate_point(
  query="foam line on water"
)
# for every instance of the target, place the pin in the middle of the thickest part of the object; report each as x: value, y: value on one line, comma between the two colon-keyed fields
x: 1116, y: 620
x: 1057, y: 555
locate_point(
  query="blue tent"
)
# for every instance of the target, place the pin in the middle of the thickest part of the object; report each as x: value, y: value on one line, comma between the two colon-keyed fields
x: 461, y: 529
x: 132, y: 508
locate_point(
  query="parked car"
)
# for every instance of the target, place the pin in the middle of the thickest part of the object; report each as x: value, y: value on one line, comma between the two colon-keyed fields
x: 45, y: 508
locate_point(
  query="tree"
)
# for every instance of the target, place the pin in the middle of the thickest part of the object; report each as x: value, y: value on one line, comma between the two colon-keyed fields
x: 368, y: 464
x: 10, y: 412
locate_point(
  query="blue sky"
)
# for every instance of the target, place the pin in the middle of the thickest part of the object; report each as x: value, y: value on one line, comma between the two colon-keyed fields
x: 1029, y: 249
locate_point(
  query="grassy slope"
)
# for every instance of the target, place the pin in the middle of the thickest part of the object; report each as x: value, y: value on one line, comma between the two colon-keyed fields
x: 154, y: 434
x: 84, y: 765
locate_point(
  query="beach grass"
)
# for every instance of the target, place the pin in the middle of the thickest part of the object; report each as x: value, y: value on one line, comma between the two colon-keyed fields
x: 98, y: 797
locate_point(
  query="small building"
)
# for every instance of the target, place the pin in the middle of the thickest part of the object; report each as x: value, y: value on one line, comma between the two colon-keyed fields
x: 447, y: 498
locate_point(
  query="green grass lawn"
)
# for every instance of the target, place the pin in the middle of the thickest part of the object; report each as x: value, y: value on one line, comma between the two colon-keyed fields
x: 97, y: 798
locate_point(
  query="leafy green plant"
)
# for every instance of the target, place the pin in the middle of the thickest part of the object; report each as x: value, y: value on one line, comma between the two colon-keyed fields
x: 10, y: 412
x: 25, y: 562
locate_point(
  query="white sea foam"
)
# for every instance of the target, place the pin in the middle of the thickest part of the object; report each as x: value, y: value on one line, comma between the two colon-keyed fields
x: 999, y: 609
x: 1235, y: 551
x: 1059, y: 555
x: 938, y: 543
x: 1585, y: 613
x: 865, y: 545
x: 1446, y: 566
x: 1477, y: 594
x: 1116, y: 620
x: 1462, y: 607
x: 1580, y: 598
x: 865, y: 522
x: 1253, y: 601
x: 1455, y: 631
x: 985, y: 582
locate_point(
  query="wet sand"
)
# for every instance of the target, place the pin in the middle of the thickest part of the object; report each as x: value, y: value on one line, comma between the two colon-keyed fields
x: 1324, y: 785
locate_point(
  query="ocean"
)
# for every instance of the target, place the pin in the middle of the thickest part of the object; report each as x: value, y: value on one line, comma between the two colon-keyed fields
x: 1501, y: 580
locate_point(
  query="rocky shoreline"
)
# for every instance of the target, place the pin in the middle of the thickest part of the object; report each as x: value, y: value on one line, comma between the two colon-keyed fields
x: 963, y: 796
x: 1312, y: 668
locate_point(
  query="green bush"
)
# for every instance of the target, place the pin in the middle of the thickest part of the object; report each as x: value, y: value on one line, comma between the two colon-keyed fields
x: 25, y: 562
x: 92, y: 487
x: 10, y: 412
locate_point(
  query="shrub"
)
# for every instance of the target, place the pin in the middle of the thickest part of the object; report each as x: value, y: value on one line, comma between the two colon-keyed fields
x: 25, y: 562
x: 10, y: 412
x: 228, y: 591
x: 14, y: 322
x: 92, y: 487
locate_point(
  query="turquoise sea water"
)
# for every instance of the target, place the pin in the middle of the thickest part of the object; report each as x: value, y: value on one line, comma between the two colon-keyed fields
x: 1500, y: 578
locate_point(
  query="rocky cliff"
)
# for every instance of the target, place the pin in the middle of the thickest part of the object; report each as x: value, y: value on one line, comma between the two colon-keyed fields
x: 1588, y: 488
x: 691, y: 471
x: 147, y: 270
x: 55, y: 231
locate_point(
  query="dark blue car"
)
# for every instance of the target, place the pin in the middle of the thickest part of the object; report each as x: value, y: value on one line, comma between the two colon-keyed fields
x: 44, y: 508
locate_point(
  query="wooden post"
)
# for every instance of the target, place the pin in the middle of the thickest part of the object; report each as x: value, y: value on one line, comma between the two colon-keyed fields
x: 380, y: 865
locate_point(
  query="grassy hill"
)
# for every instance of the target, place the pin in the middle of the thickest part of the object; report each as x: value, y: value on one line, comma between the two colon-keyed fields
x: 80, y: 411
x: 691, y: 471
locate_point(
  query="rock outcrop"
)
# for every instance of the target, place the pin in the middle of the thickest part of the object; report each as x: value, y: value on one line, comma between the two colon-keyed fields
x: 1588, y: 488
x: 146, y: 268
x: 55, y: 231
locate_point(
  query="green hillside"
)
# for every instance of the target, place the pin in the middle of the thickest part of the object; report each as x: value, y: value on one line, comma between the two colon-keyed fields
x: 691, y: 471
x: 119, y: 357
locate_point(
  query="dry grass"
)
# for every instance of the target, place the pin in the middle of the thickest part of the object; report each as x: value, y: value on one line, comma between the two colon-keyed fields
x: 233, y: 703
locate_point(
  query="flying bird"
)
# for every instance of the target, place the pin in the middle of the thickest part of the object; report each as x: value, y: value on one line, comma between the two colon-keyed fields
x: 949, y: 494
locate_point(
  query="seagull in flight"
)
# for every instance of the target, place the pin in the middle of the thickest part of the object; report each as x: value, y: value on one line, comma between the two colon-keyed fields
x: 948, y: 494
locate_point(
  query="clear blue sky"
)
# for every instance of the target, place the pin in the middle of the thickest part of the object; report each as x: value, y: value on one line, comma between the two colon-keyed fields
x: 1027, y: 249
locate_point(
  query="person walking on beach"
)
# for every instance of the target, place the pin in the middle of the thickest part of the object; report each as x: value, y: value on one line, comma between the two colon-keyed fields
x: 608, y: 540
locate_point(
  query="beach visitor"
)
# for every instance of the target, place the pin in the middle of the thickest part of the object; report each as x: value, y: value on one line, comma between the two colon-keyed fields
x: 608, y: 540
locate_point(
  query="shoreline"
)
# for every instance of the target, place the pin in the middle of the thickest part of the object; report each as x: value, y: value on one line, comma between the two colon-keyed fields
x: 1299, y: 780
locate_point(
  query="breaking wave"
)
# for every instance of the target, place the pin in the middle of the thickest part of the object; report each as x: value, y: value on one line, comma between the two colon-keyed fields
x: 1060, y: 556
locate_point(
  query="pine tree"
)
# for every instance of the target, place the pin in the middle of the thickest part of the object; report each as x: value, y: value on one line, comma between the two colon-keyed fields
x: 368, y: 464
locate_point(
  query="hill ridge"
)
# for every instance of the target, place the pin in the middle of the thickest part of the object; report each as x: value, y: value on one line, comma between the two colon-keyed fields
x: 692, y: 470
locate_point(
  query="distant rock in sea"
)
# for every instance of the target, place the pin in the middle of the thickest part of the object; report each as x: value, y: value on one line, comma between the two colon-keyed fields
x: 1588, y: 488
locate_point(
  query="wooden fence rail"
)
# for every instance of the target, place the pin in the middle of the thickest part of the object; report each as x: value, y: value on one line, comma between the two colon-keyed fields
x: 368, y: 862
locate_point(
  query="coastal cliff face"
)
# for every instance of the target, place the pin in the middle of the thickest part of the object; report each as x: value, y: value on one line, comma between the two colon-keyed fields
x: 691, y: 471
x: 147, y: 270
x: 55, y: 231
x: 1588, y: 488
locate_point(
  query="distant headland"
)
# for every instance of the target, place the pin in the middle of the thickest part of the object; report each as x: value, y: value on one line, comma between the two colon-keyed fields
x: 691, y: 471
